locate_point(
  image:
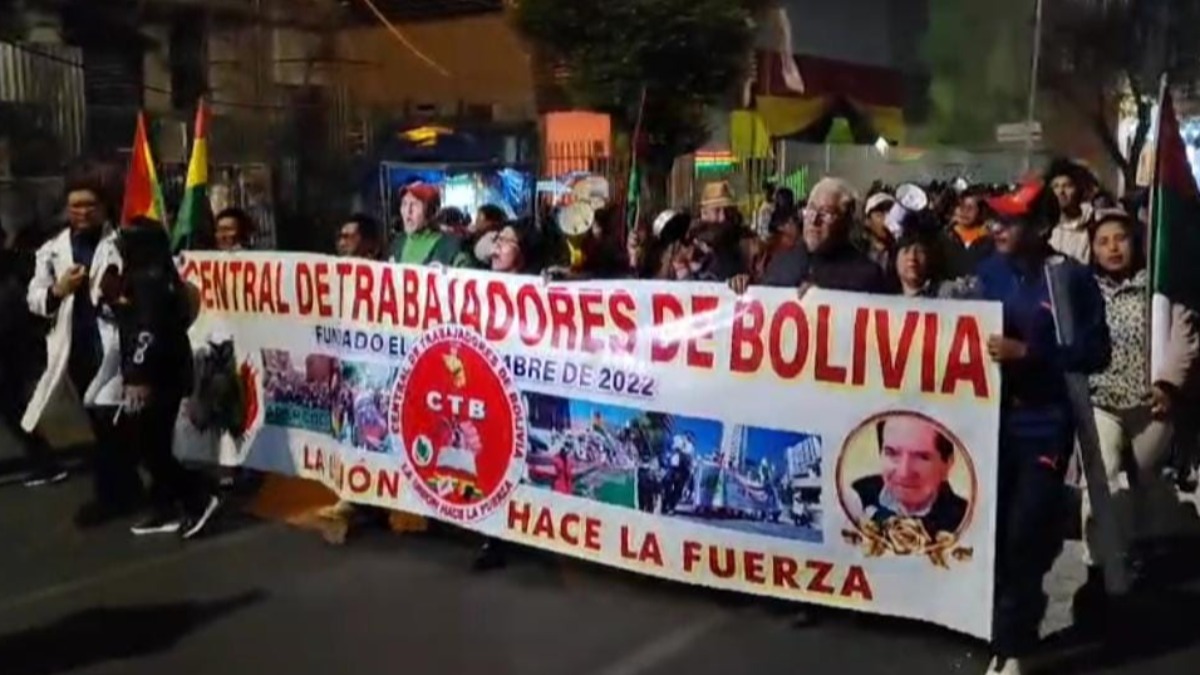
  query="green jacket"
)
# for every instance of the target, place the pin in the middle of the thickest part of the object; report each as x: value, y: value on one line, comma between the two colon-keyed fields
x: 426, y: 248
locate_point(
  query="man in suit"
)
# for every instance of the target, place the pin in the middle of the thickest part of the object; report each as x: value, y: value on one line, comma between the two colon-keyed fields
x: 913, y: 481
x: 82, y: 351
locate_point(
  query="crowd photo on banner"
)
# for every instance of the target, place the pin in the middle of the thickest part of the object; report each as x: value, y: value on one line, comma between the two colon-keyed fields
x: 1093, y: 354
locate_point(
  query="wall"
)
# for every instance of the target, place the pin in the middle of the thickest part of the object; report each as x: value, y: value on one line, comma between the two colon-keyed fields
x: 486, y: 59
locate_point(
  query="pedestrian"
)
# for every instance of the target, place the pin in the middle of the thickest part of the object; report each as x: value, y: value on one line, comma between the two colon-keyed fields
x: 22, y: 354
x: 1134, y: 416
x: 82, y: 350
x: 880, y: 241
x: 916, y: 273
x: 1037, y: 425
x: 1068, y: 209
x: 833, y: 261
x: 518, y: 250
x: 233, y: 230
x: 967, y: 241
x: 153, y: 311
x: 361, y: 236
x: 418, y: 241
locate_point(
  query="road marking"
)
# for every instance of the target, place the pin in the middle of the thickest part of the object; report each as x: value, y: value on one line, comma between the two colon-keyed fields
x: 667, y: 645
x: 118, y: 573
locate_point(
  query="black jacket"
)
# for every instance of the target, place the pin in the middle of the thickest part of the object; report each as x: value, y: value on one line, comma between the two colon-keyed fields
x: 960, y: 260
x: 153, y: 319
x: 845, y: 268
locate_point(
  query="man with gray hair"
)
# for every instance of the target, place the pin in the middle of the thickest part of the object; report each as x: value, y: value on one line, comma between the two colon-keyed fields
x: 825, y: 256
x: 833, y: 261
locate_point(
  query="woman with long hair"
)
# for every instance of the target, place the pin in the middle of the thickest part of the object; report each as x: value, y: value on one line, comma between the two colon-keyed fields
x: 1135, y: 415
x: 154, y: 310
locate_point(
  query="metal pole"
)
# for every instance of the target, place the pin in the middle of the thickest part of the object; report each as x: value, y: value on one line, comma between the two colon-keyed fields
x: 1033, y: 85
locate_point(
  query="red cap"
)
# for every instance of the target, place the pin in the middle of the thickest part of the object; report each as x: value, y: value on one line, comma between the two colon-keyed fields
x: 426, y: 193
x: 1018, y: 203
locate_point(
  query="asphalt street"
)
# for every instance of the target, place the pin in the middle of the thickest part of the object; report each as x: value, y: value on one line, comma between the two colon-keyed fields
x: 257, y: 597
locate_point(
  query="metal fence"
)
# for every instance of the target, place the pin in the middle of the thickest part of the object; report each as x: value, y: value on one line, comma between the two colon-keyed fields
x: 41, y: 90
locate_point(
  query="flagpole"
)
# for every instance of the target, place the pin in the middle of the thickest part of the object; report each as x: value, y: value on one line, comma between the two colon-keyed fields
x: 1152, y: 213
x: 633, y: 160
x: 1035, y: 66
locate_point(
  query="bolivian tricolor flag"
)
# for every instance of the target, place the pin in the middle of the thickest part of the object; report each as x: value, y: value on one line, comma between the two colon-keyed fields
x: 195, y: 206
x: 143, y: 194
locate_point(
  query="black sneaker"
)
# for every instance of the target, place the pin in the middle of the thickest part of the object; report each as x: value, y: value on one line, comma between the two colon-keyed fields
x: 45, y: 477
x: 157, y: 524
x: 194, y: 524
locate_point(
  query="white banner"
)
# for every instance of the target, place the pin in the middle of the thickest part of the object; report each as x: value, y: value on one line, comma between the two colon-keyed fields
x: 838, y: 450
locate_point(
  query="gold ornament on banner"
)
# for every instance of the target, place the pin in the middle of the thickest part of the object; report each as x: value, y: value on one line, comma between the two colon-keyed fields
x: 907, y: 537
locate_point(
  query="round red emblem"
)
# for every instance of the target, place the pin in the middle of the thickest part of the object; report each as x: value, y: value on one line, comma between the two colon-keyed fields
x: 461, y: 422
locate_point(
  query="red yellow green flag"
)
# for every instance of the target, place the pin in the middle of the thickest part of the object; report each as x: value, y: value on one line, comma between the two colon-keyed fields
x: 143, y: 194
x: 194, y: 209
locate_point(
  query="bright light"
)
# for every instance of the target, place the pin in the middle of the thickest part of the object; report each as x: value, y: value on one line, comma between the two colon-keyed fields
x: 882, y: 145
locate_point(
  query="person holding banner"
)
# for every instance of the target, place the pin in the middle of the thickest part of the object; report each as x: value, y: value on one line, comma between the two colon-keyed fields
x: 1037, y: 425
x: 518, y: 250
x: 833, y: 261
x: 1134, y: 415
x: 419, y: 241
x: 361, y: 236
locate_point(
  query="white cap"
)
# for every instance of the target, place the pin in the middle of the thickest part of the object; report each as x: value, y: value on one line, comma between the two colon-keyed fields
x: 879, y: 200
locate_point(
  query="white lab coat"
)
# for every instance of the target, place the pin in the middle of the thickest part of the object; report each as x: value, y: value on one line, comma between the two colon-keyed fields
x: 55, y: 407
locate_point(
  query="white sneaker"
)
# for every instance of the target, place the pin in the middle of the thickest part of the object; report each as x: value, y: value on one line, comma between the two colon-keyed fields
x: 194, y: 523
x: 1010, y: 666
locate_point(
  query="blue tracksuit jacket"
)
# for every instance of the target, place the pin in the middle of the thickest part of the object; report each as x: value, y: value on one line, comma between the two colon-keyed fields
x: 1034, y: 395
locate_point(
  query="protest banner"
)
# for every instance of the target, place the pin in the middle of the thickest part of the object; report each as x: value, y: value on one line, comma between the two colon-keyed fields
x: 838, y: 449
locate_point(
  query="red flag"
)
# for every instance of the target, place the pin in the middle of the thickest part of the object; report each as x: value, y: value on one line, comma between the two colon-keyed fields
x: 143, y: 194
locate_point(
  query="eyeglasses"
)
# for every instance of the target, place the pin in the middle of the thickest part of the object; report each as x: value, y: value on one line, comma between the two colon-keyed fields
x: 822, y: 216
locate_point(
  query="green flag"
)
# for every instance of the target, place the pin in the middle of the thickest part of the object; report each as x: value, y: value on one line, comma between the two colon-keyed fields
x: 1174, y: 233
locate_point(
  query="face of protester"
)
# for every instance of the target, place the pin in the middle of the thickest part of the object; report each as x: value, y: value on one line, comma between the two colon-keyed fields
x: 1011, y: 237
x: 507, y: 255
x: 350, y: 241
x: 228, y: 234
x: 912, y: 265
x: 913, y: 470
x: 83, y: 210
x: 877, y: 222
x: 824, y: 222
x: 967, y: 213
x: 412, y: 212
x: 712, y: 214
x: 1066, y: 192
x: 1112, y: 248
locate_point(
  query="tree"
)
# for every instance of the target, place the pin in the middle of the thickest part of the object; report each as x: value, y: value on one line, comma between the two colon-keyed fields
x: 685, y: 54
x: 1102, y: 54
x: 980, y: 76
